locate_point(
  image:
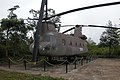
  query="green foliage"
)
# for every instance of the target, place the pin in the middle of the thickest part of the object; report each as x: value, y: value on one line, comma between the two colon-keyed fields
x: 56, y: 19
x: 110, y: 37
x: 102, y: 51
x: 91, y: 46
x: 50, y: 12
x: 18, y: 76
x: 109, y: 40
x: 13, y: 37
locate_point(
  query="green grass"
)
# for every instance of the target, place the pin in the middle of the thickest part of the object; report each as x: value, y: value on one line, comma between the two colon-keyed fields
x: 4, y: 75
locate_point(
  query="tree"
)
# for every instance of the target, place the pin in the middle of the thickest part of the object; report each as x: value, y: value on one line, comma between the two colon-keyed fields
x: 95, y: 49
x: 56, y: 19
x: 90, y: 41
x: 11, y: 14
x: 50, y: 12
x: 109, y: 38
x: 92, y: 47
x: 13, y: 36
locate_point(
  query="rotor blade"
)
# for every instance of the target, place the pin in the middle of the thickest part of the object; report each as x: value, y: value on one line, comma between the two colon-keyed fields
x: 99, y: 26
x: 38, y: 32
x: 88, y: 26
x: 66, y: 25
x: 84, y: 8
x: 91, y: 26
x: 68, y: 30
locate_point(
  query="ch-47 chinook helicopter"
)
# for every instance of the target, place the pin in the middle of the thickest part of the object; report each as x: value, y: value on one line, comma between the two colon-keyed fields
x: 60, y: 44
x: 48, y: 39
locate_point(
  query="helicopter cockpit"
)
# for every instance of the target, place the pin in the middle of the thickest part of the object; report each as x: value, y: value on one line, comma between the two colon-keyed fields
x: 49, y: 41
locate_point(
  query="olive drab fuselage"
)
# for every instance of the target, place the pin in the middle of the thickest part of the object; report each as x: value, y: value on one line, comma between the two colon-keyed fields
x: 53, y: 43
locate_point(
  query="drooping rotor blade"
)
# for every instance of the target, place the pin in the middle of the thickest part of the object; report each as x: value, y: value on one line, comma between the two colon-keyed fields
x: 90, y: 26
x: 38, y: 31
x: 80, y: 9
x: 86, y: 26
x: 84, y: 8
x: 68, y: 30
x: 66, y: 25
x: 99, y: 26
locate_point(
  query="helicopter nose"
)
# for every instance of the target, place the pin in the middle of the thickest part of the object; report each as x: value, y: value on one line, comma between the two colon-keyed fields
x: 43, y: 46
x: 46, y: 48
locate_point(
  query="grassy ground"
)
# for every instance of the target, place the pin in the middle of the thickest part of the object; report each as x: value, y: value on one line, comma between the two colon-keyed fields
x: 4, y: 75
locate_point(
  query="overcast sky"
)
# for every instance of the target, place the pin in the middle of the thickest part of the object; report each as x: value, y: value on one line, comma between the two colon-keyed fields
x: 97, y: 16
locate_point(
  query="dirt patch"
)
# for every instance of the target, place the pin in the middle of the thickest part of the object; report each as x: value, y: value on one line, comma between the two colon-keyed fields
x: 99, y: 69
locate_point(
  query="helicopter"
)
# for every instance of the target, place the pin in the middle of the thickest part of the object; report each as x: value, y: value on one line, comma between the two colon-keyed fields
x: 53, y: 43
x: 49, y: 42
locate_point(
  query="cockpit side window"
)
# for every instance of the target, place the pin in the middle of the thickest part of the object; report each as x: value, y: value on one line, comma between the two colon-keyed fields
x: 51, y: 39
x: 80, y: 44
x: 63, y: 42
x: 76, y: 43
x: 47, y: 38
x: 71, y: 43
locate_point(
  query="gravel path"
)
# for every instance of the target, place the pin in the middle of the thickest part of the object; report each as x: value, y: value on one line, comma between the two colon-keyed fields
x: 99, y: 69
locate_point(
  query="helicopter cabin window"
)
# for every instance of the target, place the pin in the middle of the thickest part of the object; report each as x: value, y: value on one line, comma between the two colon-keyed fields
x: 83, y: 45
x: 47, y: 27
x: 76, y: 44
x: 47, y: 38
x: 63, y: 42
x: 80, y: 44
x: 71, y: 43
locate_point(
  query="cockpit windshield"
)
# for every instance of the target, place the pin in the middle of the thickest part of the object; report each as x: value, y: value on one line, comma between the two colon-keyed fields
x: 50, y: 37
